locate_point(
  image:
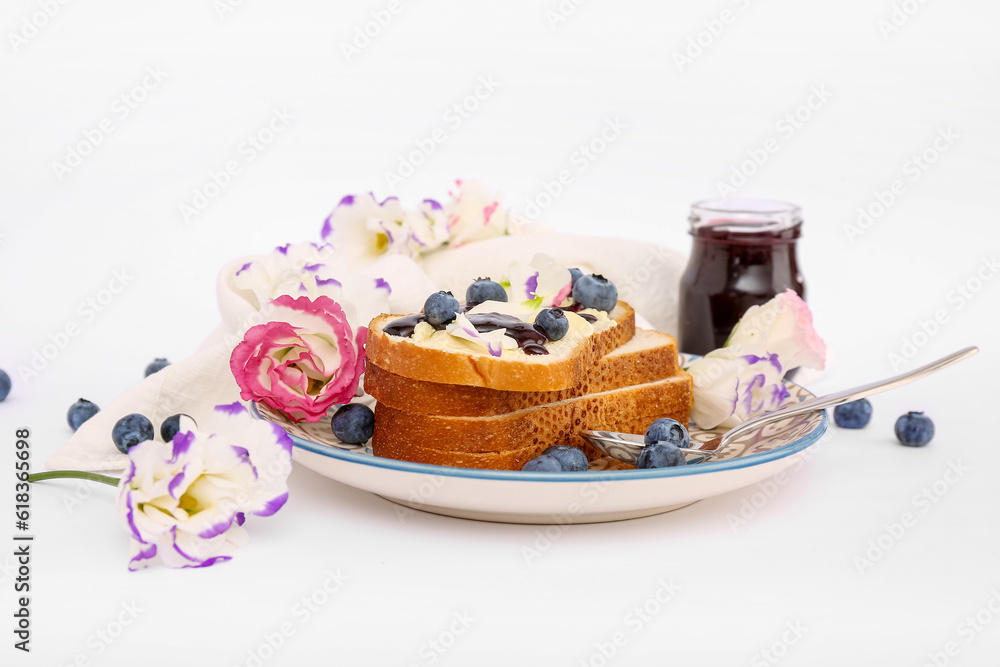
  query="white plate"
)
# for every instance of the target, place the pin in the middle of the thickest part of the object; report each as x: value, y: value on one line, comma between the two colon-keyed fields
x: 555, y: 498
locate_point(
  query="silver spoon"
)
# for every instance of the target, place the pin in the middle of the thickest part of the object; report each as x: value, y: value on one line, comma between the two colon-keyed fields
x: 626, y: 446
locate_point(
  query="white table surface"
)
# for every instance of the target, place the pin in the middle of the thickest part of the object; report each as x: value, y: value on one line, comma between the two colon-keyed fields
x: 787, y: 582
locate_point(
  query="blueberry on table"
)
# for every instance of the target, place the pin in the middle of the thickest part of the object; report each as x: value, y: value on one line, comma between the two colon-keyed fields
x: 4, y: 384
x: 130, y: 430
x: 855, y: 414
x: 553, y: 323
x: 660, y: 455
x: 570, y: 458
x: 80, y: 412
x: 484, y: 289
x: 171, y: 425
x: 156, y: 365
x: 441, y: 308
x: 543, y: 463
x: 668, y: 430
x: 914, y: 429
x: 595, y: 291
x: 353, y: 423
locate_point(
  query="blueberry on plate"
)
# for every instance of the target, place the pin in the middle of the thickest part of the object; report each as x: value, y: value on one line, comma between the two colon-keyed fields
x: 4, y: 384
x: 570, y: 458
x: 660, y: 455
x: 914, y: 429
x: 353, y: 423
x: 595, y: 291
x: 130, y: 430
x: 553, y: 323
x: 171, y: 425
x: 156, y: 365
x: 668, y: 430
x: 575, y: 274
x: 441, y: 308
x: 543, y: 463
x: 80, y: 412
x: 855, y: 414
x: 484, y: 289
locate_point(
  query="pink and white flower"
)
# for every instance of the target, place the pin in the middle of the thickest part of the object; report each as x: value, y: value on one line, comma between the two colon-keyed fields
x: 783, y: 326
x: 184, y: 503
x: 474, y: 213
x: 303, y: 361
x: 744, y: 378
x: 735, y: 382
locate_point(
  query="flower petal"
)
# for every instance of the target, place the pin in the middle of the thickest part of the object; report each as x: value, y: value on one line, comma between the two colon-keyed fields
x: 474, y: 213
x: 493, y: 341
x: 784, y: 326
x: 736, y: 381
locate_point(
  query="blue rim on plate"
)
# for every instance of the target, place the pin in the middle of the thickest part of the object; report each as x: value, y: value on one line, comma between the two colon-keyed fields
x: 596, y: 476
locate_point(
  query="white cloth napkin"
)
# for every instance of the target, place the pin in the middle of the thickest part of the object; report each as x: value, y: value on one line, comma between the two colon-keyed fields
x: 647, y: 277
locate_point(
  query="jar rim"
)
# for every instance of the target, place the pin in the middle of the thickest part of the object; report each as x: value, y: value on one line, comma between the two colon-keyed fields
x: 748, y: 206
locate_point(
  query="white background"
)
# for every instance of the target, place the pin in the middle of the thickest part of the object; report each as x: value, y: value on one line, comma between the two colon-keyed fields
x: 687, y: 127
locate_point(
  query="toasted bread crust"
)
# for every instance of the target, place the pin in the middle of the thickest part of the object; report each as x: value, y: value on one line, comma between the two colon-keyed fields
x: 508, y: 441
x: 404, y: 357
x: 654, y: 357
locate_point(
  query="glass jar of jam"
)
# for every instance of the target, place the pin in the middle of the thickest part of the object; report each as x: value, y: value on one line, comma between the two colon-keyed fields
x: 743, y: 254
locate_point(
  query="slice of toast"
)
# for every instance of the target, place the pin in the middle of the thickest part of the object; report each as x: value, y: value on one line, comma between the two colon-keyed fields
x: 508, y: 441
x: 566, y: 366
x: 649, y: 356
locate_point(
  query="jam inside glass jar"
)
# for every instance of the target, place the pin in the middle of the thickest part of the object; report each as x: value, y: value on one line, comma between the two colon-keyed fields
x: 743, y: 254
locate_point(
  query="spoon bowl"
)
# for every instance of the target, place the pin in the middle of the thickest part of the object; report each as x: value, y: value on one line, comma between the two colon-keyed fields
x: 626, y: 446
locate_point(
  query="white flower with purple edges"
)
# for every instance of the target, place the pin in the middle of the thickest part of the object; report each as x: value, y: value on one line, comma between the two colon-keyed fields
x: 312, y: 270
x: 432, y: 227
x: 474, y: 213
x: 734, y: 383
x: 363, y: 229
x: 541, y: 284
x: 302, y: 268
x: 184, y: 503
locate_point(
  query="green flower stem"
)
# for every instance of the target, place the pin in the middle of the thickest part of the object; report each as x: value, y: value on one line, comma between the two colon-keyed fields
x: 73, y: 474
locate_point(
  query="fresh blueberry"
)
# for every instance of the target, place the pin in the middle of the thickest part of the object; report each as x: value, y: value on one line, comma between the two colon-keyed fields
x: 595, y: 291
x: 660, y: 455
x: 130, y: 431
x: 543, y: 463
x: 4, y: 384
x: 575, y: 274
x: 914, y: 429
x: 170, y: 426
x: 855, y: 414
x: 484, y: 289
x: 80, y: 412
x: 156, y: 365
x: 668, y: 430
x: 440, y: 308
x: 353, y: 423
x: 570, y: 458
x: 553, y: 323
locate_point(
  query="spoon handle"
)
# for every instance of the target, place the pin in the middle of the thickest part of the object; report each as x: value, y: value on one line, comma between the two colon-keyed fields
x: 831, y: 400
